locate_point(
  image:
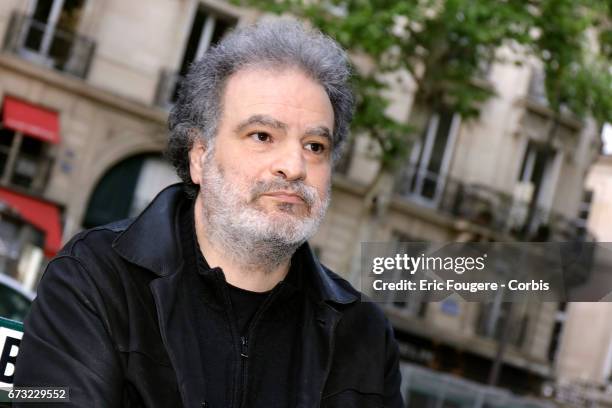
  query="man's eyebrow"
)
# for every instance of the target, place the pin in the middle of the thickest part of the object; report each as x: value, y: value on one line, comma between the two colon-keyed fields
x: 263, y: 120
x: 319, y: 131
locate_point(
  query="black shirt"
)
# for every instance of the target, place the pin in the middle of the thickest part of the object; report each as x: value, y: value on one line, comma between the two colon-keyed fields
x: 245, y: 304
x: 249, y: 342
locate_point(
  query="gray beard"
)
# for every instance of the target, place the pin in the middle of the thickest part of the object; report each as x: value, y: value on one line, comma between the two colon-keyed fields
x: 266, y: 255
x: 246, y: 234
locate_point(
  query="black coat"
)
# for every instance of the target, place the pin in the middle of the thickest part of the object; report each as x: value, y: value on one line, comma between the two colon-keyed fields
x: 107, y: 323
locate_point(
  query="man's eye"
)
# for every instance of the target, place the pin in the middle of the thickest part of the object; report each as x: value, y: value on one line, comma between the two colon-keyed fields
x: 260, y: 137
x: 314, y: 147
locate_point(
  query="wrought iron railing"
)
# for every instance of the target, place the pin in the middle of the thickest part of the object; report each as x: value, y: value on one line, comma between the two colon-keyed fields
x: 49, y: 45
x: 489, y: 208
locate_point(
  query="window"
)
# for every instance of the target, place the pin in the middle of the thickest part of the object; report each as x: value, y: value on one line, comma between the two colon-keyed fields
x: 584, y: 210
x: 536, y: 181
x: 27, y: 134
x: 411, y: 303
x: 21, y: 246
x: 537, y: 87
x: 493, y: 318
x: 207, y: 28
x: 48, y: 35
x: 555, y: 337
x: 534, y: 162
x: 24, y: 160
x: 424, y: 176
x: 6, y: 141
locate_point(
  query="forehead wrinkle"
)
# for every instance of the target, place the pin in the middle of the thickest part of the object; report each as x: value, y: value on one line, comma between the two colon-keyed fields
x: 263, y: 120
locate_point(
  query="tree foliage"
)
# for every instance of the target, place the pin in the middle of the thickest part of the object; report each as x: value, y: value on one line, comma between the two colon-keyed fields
x: 447, y: 45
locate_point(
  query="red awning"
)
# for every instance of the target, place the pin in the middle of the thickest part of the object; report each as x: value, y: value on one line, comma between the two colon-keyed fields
x: 32, y: 120
x: 43, y: 215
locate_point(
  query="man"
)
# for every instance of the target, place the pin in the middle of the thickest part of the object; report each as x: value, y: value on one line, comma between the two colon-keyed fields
x: 212, y: 297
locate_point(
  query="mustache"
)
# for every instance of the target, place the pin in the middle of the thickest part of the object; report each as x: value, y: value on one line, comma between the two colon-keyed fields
x: 306, y: 193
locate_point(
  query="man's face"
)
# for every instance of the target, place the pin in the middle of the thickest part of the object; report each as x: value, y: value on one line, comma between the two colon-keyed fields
x: 268, y: 175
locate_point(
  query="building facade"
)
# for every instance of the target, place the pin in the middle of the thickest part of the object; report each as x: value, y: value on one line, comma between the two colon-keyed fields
x: 85, y: 94
x: 584, y: 362
x: 97, y: 78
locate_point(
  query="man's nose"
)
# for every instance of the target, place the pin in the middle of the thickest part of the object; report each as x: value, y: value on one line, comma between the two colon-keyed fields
x: 290, y: 163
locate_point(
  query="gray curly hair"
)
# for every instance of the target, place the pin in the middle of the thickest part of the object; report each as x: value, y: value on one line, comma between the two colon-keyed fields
x: 271, y: 43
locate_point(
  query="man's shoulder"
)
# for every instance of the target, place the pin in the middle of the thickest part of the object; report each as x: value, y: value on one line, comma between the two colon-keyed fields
x: 94, y: 245
x: 340, y: 281
x: 91, y: 265
x: 363, y: 306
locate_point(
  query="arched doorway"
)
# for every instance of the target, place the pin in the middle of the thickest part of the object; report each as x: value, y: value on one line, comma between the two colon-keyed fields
x: 127, y: 188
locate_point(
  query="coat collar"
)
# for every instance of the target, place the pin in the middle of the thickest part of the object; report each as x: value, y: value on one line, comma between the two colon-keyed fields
x: 152, y: 241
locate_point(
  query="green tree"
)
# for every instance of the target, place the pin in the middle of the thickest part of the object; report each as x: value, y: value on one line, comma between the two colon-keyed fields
x: 446, y: 44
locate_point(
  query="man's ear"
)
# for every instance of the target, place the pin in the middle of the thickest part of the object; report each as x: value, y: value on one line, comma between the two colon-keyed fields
x: 196, y: 158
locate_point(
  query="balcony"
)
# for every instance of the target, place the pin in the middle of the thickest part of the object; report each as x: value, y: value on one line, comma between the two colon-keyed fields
x: 49, y: 46
x: 167, y: 88
x: 487, y: 208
